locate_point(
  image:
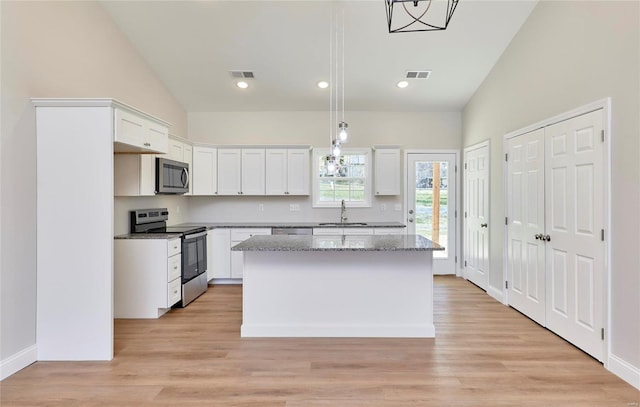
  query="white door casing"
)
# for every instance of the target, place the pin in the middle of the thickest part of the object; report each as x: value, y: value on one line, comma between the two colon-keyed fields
x: 525, y: 221
x: 476, y: 214
x: 574, y: 211
x: 444, y: 262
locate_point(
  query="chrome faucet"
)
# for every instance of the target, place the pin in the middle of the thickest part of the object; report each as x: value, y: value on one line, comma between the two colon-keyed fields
x: 343, y: 209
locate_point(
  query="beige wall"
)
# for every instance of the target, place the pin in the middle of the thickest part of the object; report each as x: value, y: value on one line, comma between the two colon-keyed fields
x: 54, y: 49
x: 566, y: 55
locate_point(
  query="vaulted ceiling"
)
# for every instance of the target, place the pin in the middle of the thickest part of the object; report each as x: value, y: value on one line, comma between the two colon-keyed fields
x: 193, y: 46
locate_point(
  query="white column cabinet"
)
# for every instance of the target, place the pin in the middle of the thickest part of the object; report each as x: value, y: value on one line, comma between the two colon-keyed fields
x: 387, y: 176
x: 205, y: 171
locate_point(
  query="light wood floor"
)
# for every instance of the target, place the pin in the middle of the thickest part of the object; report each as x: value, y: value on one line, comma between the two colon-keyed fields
x: 485, y: 354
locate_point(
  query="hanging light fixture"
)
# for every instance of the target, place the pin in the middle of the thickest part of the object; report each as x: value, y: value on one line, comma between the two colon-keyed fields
x: 338, y: 135
x: 423, y: 15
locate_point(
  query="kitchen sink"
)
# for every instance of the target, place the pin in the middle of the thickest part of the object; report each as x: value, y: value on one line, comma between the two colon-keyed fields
x: 343, y: 224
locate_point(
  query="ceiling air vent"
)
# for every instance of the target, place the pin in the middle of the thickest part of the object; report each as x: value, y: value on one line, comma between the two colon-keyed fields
x: 418, y: 74
x: 242, y: 74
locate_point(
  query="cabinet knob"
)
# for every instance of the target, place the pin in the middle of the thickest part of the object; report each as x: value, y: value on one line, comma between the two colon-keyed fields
x: 147, y: 144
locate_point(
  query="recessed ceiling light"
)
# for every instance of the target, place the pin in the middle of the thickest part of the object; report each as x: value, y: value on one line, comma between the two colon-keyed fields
x: 402, y: 84
x: 242, y: 84
x: 323, y: 84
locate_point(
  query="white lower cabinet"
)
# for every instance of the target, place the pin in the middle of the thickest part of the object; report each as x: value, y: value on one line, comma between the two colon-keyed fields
x: 218, y: 253
x: 146, y: 277
x: 390, y: 231
x: 237, y: 236
x: 357, y: 231
x: 343, y: 231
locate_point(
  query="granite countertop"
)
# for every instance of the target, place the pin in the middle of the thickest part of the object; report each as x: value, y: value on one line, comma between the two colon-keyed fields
x: 284, y: 243
x: 227, y: 225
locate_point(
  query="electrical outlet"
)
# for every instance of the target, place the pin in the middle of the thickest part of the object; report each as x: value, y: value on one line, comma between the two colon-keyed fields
x: 294, y: 207
x: 261, y: 207
x: 397, y: 207
x: 383, y: 207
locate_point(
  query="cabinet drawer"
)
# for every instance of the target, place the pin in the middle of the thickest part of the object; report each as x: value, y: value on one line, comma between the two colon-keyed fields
x: 174, y: 292
x: 174, y: 267
x: 238, y: 235
x: 390, y: 231
x: 358, y: 231
x: 173, y: 247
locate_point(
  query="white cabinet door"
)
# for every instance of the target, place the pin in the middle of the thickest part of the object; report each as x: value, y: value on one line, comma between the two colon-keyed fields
x: 130, y: 128
x: 205, y: 171
x: 276, y: 172
x: 187, y: 157
x: 218, y: 254
x: 176, y: 150
x: 156, y: 137
x: 298, y: 171
x: 387, y: 171
x: 357, y: 231
x: 253, y: 168
x: 229, y: 170
x: 328, y: 231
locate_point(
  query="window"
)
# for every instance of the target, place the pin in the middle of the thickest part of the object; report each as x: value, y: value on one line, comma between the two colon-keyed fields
x: 351, y: 182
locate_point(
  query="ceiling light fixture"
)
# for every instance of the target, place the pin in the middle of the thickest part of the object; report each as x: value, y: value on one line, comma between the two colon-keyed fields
x: 424, y: 15
x: 323, y: 84
x: 402, y: 84
x: 242, y: 84
x: 338, y: 135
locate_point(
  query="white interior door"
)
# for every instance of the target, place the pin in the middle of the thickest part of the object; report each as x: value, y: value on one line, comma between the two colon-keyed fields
x: 476, y: 214
x: 431, y: 204
x: 574, y: 187
x: 525, y: 216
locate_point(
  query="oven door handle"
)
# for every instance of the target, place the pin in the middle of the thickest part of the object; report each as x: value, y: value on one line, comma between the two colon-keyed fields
x: 195, y: 235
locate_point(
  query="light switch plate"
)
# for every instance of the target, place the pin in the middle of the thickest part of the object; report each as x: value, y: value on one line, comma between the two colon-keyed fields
x: 294, y: 207
x: 383, y: 207
x: 397, y: 207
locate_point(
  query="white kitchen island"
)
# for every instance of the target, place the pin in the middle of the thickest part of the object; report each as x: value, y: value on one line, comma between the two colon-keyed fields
x: 338, y: 286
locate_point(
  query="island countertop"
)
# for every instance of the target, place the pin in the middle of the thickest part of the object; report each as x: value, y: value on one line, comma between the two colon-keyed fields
x: 284, y: 243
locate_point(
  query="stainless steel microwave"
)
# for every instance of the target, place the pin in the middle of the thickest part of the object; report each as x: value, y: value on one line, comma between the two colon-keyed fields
x: 172, y: 177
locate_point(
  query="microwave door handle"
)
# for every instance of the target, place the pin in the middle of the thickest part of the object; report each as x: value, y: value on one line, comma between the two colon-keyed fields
x: 184, y: 177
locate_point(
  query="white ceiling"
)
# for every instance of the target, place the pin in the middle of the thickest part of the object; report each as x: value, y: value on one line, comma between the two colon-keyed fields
x: 192, y: 45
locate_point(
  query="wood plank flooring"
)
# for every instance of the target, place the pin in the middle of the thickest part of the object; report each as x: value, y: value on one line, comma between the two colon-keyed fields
x: 484, y: 354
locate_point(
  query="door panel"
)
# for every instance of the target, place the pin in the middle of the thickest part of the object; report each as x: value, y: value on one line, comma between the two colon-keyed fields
x: 476, y: 215
x: 575, y: 216
x: 525, y: 215
x: 431, y: 204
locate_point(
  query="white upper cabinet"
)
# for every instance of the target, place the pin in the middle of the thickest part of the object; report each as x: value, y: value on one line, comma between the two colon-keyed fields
x: 135, y: 133
x: 387, y: 171
x: 241, y: 171
x: 229, y: 170
x: 176, y: 150
x: 183, y: 152
x: 287, y: 171
x: 253, y: 167
x: 276, y: 171
x: 205, y: 171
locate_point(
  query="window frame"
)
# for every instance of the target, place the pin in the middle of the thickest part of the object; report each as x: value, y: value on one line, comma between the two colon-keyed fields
x: 322, y: 152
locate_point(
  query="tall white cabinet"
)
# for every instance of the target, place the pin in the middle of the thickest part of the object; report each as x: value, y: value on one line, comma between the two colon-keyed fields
x: 75, y: 172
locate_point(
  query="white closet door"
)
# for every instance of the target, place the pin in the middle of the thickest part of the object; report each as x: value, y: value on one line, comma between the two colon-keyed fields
x: 525, y: 212
x: 476, y: 212
x: 574, y: 219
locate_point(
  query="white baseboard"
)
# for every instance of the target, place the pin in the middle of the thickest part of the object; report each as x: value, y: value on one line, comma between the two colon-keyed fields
x: 624, y: 370
x: 496, y: 293
x: 18, y: 361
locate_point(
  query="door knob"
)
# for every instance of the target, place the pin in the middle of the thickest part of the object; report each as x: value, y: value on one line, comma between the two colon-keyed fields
x: 410, y: 211
x: 483, y: 225
x: 411, y: 220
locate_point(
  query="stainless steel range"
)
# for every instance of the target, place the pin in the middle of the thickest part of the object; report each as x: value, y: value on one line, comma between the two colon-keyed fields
x: 194, y: 248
